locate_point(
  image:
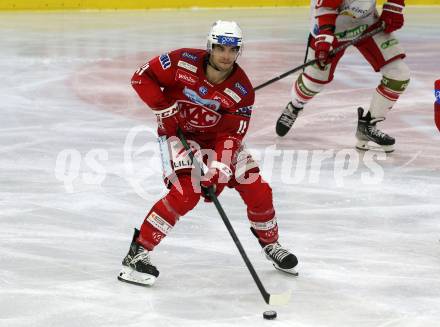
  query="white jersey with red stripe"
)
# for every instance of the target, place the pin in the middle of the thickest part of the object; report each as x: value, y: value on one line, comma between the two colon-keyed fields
x: 353, y: 16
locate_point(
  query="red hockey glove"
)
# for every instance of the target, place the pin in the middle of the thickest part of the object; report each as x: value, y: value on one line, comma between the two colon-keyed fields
x: 167, y: 120
x: 392, y: 15
x: 217, y: 177
x: 324, y: 43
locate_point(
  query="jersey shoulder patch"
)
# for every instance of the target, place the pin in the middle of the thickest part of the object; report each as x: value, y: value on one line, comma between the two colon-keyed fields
x: 165, y: 61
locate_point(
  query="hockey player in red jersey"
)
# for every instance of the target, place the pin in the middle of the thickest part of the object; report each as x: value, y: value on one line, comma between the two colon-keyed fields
x: 338, y: 21
x: 206, y: 95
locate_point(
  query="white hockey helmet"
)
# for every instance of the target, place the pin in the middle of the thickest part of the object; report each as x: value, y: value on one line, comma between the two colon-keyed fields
x: 225, y: 33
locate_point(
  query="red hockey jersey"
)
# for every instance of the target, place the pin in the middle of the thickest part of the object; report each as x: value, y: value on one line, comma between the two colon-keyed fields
x: 209, y: 114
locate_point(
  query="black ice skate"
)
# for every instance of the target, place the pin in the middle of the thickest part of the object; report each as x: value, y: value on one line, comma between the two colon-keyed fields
x: 281, y: 258
x: 287, y: 118
x: 137, y: 268
x: 368, y: 132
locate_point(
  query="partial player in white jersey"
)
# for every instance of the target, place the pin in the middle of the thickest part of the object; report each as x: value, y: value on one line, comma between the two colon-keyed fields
x: 333, y: 23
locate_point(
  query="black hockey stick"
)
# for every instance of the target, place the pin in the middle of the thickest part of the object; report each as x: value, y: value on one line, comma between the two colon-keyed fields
x: 272, y: 299
x: 332, y: 53
x: 309, y: 40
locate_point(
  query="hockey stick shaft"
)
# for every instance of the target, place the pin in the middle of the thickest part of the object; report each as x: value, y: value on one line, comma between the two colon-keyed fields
x: 240, y: 248
x: 268, y: 298
x: 332, y: 53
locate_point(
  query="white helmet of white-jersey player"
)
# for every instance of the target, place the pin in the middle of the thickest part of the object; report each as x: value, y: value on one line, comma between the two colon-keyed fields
x: 225, y: 33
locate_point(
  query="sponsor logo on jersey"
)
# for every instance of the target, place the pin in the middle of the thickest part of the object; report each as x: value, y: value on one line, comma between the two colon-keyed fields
x: 192, y: 96
x: 190, y: 56
x: 199, y: 116
x: 241, y: 88
x: 179, y: 155
x: 181, y: 164
x: 226, y: 103
x: 357, y: 9
x: 187, y: 66
x: 232, y: 94
x: 245, y: 111
x: 203, y: 90
x: 186, y: 78
x: 389, y: 43
x: 355, y: 12
x: 165, y: 61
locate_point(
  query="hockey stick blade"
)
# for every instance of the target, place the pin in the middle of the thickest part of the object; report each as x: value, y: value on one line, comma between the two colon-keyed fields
x: 280, y: 299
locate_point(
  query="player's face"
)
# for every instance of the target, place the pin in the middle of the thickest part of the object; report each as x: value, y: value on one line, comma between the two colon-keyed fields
x: 223, y: 57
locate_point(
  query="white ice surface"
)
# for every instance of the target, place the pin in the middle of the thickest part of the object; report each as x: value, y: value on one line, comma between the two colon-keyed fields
x: 368, y: 243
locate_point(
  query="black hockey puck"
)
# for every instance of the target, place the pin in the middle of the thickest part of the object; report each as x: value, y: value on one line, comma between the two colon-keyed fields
x: 269, y: 314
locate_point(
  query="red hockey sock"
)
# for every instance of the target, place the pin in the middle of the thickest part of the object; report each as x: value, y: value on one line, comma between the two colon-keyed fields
x: 261, y: 213
x: 165, y: 213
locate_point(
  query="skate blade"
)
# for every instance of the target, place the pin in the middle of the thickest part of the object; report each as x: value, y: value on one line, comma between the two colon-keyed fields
x: 131, y: 276
x: 290, y: 271
x: 371, y: 146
